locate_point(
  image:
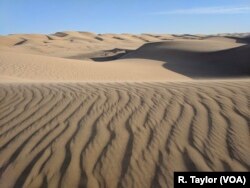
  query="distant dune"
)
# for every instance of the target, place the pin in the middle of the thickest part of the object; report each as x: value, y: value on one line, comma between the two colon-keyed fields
x: 112, y: 57
x: 80, y: 109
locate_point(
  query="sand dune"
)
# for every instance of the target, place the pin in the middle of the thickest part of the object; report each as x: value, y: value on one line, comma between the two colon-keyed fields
x: 41, y: 68
x: 123, y: 57
x: 73, y: 44
x: 80, y: 109
x: 83, y: 45
x: 198, y: 59
x: 121, y: 134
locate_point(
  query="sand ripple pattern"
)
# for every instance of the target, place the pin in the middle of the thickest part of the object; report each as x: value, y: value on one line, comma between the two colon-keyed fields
x: 121, y: 134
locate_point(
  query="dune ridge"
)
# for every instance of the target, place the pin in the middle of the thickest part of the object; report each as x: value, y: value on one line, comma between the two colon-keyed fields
x: 121, y: 134
x: 80, y: 109
x: 178, y: 59
x: 79, y: 45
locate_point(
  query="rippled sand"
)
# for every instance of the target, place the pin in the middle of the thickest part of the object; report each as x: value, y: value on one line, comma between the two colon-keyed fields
x: 121, y: 134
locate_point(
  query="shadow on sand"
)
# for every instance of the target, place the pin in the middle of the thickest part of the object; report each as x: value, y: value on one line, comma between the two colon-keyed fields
x: 115, y: 55
x: 234, y: 62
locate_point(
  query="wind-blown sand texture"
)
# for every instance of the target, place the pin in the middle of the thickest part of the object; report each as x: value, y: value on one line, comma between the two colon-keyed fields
x: 121, y: 134
x: 80, y: 109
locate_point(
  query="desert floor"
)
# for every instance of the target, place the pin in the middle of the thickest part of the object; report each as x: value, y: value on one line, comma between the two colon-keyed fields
x: 79, y: 109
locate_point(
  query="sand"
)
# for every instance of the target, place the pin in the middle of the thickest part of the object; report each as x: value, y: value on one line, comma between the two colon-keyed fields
x: 80, y: 109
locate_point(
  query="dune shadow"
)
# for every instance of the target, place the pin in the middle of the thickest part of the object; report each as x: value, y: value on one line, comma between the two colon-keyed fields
x: 108, y: 58
x: 234, y: 62
x: 21, y: 42
x: 110, y: 55
x: 102, y: 55
x: 221, y: 64
x: 245, y: 40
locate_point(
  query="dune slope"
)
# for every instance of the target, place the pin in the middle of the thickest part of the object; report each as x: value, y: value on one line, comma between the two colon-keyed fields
x: 121, y: 134
x: 29, y: 67
x: 198, y: 58
x: 170, y: 60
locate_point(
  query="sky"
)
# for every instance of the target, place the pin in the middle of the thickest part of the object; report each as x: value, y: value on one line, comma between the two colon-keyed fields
x: 125, y: 16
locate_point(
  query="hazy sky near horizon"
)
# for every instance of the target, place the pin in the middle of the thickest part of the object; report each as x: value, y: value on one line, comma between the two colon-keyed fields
x: 124, y: 16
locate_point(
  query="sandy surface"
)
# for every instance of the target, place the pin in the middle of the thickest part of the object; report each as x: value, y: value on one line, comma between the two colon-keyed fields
x: 79, y: 109
x: 111, y: 57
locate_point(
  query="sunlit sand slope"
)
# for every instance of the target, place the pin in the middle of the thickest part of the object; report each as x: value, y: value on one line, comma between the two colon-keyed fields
x: 121, y: 134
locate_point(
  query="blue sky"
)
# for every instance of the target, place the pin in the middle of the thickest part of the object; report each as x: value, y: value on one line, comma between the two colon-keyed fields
x: 124, y: 16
